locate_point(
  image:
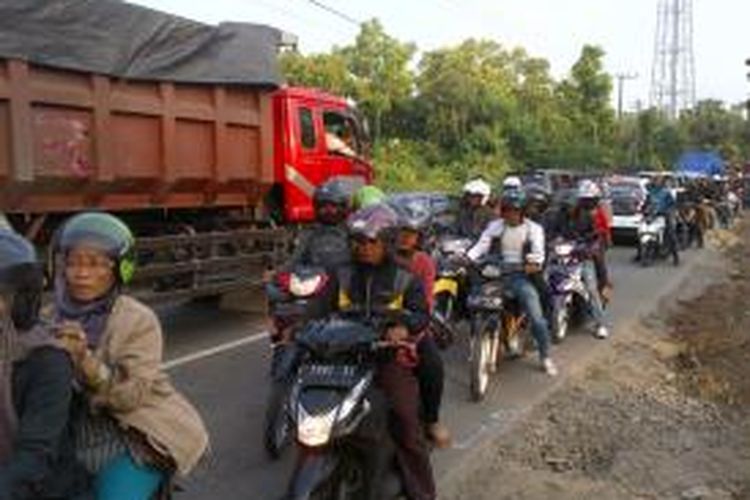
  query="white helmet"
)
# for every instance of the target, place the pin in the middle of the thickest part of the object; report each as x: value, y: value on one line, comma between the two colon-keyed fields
x: 588, y: 189
x: 512, y: 182
x: 478, y: 187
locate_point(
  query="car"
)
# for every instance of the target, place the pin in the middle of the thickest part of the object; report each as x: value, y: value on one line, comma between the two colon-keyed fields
x: 627, y: 196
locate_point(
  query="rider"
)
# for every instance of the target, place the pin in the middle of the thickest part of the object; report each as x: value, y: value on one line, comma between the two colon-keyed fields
x: 661, y: 202
x: 430, y: 370
x: 36, y: 377
x: 473, y: 213
x: 537, y: 210
x: 583, y: 228
x: 326, y: 243
x: 520, y: 243
x: 133, y: 429
x: 376, y: 288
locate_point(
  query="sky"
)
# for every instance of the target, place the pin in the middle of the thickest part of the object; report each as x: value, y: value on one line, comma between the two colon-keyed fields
x: 553, y: 29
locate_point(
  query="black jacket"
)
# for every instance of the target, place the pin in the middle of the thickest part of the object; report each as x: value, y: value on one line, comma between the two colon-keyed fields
x: 384, y: 293
x: 42, y: 466
x: 471, y: 222
x: 321, y: 245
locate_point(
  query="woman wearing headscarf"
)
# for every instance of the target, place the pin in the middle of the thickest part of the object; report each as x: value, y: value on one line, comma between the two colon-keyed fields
x: 133, y: 430
x: 35, y: 384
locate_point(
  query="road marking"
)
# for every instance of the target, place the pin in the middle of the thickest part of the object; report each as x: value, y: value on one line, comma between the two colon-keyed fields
x: 213, y: 351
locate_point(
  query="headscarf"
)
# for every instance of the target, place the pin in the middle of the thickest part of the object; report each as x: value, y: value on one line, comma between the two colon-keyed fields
x: 92, y: 316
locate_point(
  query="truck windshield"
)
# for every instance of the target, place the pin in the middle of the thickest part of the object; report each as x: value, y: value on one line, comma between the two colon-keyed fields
x: 341, y: 134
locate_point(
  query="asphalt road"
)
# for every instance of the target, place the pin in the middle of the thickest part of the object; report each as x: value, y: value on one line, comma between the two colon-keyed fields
x: 219, y: 359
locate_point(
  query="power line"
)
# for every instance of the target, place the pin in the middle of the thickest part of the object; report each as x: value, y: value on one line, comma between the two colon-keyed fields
x: 335, y: 12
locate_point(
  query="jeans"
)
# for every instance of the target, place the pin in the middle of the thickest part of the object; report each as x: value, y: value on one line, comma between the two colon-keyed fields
x: 595, y: 307
x: 527, y: 295
x: 124, y: 479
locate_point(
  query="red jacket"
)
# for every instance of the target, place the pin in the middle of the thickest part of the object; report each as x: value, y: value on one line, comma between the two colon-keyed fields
x: 602, y: 224
x: 423, y: 267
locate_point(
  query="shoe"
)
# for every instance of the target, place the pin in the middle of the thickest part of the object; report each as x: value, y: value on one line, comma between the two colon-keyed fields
x: 439, y: 435
x: 602, y: 332
x: 549, y: 367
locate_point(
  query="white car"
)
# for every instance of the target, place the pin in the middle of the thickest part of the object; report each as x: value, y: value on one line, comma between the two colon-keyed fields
x: 627, y: 197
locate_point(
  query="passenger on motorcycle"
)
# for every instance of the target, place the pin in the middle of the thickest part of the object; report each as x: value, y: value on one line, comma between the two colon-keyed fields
x: 537, y: 209
x: 520, y: 242
x: 36, y: 374
x: 582, y: 228
x: 474, y: 214
x: 661, y: 202
x: 430, y: 370
x: 325, y: 243
x: 133, y: 431
x: 375, y: 288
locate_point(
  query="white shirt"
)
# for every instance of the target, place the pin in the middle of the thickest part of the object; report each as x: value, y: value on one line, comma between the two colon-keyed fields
x: 513, y: 240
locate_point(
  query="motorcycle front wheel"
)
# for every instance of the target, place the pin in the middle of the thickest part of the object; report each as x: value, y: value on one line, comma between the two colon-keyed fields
x: 560, y: 319
x: 481, y: 359
x: 277, y: 431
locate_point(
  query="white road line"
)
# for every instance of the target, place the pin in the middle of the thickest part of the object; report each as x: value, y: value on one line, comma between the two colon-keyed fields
x: 213, y: 351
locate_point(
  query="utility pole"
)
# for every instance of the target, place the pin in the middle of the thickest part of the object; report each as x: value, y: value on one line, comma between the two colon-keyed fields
x: 621, y: 78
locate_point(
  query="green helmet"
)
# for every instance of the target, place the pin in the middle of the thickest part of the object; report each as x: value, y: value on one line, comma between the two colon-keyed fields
x: 367, y: 196
x: 104, y: 232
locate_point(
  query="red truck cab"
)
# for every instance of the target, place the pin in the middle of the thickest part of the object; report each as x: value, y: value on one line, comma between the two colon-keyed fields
x: 318, y: 136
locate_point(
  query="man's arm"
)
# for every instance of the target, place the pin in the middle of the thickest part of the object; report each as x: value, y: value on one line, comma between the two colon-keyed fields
x: 482, y: 246
x: 536, y: 254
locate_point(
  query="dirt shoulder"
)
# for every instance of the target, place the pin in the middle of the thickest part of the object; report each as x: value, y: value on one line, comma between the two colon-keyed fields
x: 663, y: 414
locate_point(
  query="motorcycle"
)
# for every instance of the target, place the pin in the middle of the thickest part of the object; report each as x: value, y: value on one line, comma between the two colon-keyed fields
x: 340, y: 419
x: 449, y: 284
x: 292, y: 301
x: 569, y: 293
x: 498, y: 327
x: 651, y: 238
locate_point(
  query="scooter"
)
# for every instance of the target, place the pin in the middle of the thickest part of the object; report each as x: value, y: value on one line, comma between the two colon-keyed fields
x: 339, y: 416
x: 498, y: 327
x: 651, y: 239
x: 293, y: 299
x: 569, y: 293
x: 450, y: 280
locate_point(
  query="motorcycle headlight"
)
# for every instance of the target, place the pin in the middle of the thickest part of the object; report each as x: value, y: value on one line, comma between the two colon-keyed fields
x: 492, y: 271
x: 314, y: 430
x: 563, y: 249
x: 300, y: 287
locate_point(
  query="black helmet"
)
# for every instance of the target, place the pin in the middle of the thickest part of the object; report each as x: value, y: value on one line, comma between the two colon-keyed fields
x: 538, y: 195
x: 414, y: 216
x: 514, y: 198
x: 21, y: 278
x: 335, y: 192
x: 374, y: 221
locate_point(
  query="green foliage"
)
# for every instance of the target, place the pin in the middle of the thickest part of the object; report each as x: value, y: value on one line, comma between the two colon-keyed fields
x: 479, y: 108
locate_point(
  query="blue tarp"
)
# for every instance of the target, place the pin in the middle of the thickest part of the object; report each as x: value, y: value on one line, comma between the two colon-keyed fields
x: 700, y: 164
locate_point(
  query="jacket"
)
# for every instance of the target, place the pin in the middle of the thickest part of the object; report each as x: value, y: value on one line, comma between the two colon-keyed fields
x: 42, y: 464
x: 382, y: 293
x: 534, y: 254
x: 322, y: 245
x: 139, y: 394
x: 470, y: 222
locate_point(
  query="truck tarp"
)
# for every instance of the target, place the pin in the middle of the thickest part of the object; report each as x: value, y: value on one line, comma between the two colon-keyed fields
x: 128, y: 41
x: 700, y: 164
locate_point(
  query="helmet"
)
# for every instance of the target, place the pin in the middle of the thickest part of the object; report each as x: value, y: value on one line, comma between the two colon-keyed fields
x: 21, y: 278
x: 366, y: 196
x: 414, y: 216
x: 373, y: 221
x: 515, y: 198
x: 105, y: 232
x: 478, y: 187
x: 512, y: 182
x: 537, y: 194
x: 587, y: 189
x: 335, y: 192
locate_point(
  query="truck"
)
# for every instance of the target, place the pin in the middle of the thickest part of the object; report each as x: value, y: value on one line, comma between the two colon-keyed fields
x: 183, y: 130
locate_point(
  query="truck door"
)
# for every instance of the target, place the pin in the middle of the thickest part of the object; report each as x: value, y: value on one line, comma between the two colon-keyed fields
x: 305, y: 168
